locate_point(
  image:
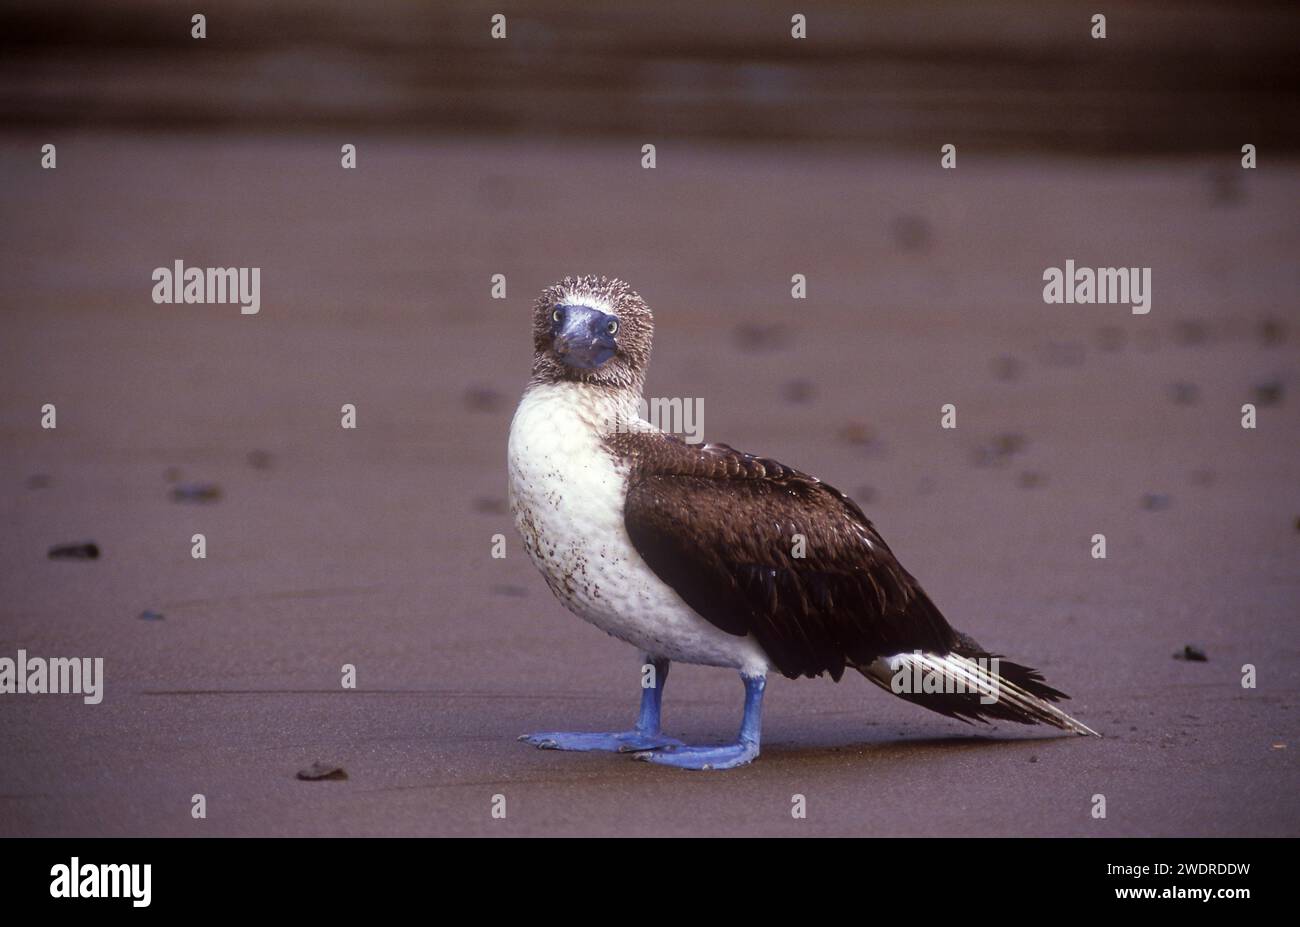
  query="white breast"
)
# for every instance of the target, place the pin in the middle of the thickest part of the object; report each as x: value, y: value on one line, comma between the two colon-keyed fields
x: 566, y: 492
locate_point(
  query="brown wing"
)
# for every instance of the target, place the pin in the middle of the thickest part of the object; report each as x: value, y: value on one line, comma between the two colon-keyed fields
x: 723, y: 529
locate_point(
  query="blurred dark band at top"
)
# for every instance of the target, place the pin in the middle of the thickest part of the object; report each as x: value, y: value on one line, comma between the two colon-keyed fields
x: 1169, y: 77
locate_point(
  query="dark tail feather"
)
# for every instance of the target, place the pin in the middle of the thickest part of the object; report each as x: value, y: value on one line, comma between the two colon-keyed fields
x: 969, y: 684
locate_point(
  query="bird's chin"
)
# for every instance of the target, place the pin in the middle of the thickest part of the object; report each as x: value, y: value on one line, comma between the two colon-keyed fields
x: 583, y: 358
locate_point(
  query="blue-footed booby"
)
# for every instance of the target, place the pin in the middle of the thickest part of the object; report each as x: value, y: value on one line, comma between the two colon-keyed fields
x: 693, y: 552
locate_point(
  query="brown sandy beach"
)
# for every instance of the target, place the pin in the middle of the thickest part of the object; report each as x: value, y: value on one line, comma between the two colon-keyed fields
x: 371, y: 547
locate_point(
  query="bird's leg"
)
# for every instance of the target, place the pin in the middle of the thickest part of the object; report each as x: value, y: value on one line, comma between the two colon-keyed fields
x: 743, y: 751
x: 645, y: 736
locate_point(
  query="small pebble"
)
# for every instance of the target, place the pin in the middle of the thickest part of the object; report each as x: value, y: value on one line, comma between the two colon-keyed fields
x: 490, y: 505
x: 196, y: 492
x: 38, y: 481
x: 318, y: 771
x: 1192, y: 654
x: 1009, y: 442
x: 1030, y: 479
x: 1184, y: 394
x: 148, y: 615
x: 998, y: 449
x: 514, y: 592
x: 1007, y: 368
x: 259, y: 460
x: 87, y: 550
x: 857, y: 433
x: 1271, y: 332
x: 1224, y: 185
x: 910, y: 232
x: 798, y: 391
x: 482, y: 399
x: 1155, y: 501
x: 761, y: 336
x: 1033, y: 759
x: 1204, y: 477
x: 1268, y: 393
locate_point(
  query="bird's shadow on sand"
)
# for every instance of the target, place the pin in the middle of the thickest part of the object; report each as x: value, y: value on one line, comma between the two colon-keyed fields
x: 908, y: 749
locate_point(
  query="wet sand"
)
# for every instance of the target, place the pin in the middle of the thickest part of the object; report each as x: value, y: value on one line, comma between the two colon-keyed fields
x: 372, y: 547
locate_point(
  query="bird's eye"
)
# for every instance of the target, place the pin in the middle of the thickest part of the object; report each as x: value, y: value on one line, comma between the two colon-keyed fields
x: 612, y: 327
x: 558, y: 315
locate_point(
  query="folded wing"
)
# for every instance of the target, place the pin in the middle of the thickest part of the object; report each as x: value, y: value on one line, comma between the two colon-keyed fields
x: 756, y: 547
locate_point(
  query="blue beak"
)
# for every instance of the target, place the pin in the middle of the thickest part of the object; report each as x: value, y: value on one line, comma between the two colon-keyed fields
x: 581, y: 336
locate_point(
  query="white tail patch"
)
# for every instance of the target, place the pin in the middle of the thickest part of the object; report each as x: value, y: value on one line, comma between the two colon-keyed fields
x: 921, y: 674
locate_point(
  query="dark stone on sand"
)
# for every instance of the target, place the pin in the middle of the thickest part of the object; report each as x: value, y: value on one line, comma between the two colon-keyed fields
x: 513, y: 592
x: 798, y: 391
x: 1009, y: 442
x: 259, y: 460
x: 151, y: 615
x: 1192, y: 654
x: 319, y: 771
x: 86, y: 550
x: 1184, y: 394
x: 38, y: 481
x: 1271, y: 331
x: 1030, y: 479
x: 911, y: 232
x: 1033, y: 759
x: 1268, y: 393
x: 482, y: 399
x: 761, y: 336
x: 1007, y: 368
x: 490, y: 505
x: 196, y: 492
x: 1155, y: 501
x: 858, y: 434
x: 1224, y: 185
x: 999, y: 449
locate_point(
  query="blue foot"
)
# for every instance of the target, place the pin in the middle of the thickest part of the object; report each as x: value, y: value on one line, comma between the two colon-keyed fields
x: 625, y: 742
x: 728, y: 756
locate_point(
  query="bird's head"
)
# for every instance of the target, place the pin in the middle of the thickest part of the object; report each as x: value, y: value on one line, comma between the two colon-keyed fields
x: 593, y: 330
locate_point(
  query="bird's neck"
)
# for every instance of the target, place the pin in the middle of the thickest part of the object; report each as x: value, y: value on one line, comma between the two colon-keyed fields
x: 602, y: 410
